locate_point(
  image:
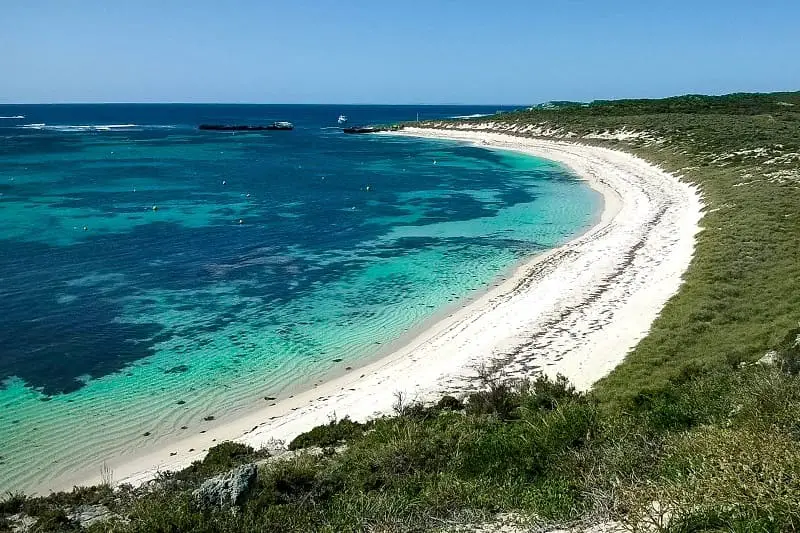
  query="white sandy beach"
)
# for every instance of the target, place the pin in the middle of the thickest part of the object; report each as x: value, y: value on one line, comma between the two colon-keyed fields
x: 576, y: 310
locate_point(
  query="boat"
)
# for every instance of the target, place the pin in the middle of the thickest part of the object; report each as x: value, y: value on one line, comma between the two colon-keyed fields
x: 281, y: 125
x: 342, y: 119
x: 362, y: 129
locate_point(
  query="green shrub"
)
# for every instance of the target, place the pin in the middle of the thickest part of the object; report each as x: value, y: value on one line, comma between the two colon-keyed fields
x: 289, y: 481
x: 220, y: 458
x: 336, y: 432
x: 77, y: 496
x: 226, y: 455
x: 449, y: 403
x: 500, y: 400
x: 54, y: 521
x: 545, y: 393
x: 12, y: 503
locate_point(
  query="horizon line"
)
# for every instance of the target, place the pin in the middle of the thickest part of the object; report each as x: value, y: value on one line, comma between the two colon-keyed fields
x: 263, y: 103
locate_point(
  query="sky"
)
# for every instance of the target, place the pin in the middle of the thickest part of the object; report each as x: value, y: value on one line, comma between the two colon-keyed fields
x: 393, y: 52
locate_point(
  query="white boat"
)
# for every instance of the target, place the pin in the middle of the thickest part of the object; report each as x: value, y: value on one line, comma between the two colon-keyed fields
x: 342, y: 119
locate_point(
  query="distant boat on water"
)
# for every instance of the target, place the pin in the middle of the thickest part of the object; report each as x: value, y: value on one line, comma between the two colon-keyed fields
x: 342, y: 119
x: 281, y: 125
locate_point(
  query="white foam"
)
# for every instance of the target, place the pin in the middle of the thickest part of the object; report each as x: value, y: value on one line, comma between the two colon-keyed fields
x: 476, y: 115
x: 15, y: 117
x: 81, y: 127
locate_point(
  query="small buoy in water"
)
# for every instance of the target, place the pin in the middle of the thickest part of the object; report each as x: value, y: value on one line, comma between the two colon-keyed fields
x: 241, y: 221
x: 434, y: 161
x: 369, y: 188
x: 86, y: 228
x: 247, y: 195
x: 155, y: 208
x: 224, y: 182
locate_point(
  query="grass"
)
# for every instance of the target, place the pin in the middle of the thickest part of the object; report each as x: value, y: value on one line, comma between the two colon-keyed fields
x: 687, y: 434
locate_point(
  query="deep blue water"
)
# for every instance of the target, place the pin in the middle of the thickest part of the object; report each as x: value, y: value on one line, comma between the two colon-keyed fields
x: 144, y: 262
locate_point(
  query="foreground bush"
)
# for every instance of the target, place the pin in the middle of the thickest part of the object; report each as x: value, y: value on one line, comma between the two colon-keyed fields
x: 715, y: 450
x: 336, y: 432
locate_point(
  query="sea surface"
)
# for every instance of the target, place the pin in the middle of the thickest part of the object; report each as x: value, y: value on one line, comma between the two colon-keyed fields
x: 153, y: 276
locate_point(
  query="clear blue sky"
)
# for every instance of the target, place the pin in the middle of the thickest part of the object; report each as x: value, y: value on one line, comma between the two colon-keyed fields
x: 399, y: 51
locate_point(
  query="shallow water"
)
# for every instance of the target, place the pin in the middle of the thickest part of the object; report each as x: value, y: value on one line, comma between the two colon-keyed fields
x: 152, y: 275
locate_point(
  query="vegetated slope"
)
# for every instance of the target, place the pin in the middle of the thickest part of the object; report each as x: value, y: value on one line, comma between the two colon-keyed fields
x: 742, y: 291
x: 711, y: 451
x: 686, y: 435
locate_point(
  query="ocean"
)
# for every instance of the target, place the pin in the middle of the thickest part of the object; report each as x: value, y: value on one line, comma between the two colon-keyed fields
x: 156, y: 279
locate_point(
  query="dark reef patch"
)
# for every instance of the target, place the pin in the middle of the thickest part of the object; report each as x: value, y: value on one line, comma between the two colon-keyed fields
x: 180, y: 369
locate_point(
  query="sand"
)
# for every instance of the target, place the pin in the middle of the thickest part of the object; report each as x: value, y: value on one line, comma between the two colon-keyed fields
x: 576, y: 310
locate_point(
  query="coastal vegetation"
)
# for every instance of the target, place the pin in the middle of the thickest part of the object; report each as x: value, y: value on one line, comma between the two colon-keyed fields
x: 742, y: 291
x: 697, y: 430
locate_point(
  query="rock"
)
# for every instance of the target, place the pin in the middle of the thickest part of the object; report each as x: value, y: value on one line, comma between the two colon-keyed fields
x: 227, y: 490
x: 768, y: 359
x: 21, y: 523
x: 86, y: 515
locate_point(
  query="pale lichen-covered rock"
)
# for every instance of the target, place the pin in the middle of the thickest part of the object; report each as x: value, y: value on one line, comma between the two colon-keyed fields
x: 21, y: 523
x: 227, y: 490
x: 768, y: 358
x: 86, y: 515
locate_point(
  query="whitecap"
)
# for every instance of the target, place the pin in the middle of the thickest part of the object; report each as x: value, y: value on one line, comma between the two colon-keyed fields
x: 475, y: 115
x: 15, y: 117
x: 79, y: 127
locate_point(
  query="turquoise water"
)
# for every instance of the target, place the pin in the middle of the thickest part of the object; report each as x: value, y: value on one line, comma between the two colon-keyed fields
x: 270, y: 261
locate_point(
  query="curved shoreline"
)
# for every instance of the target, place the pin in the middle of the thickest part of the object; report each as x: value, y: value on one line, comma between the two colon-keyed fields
x: 575, y: 310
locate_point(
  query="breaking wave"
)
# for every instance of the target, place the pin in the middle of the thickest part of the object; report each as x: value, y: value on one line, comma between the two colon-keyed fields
x: 476, y: 115
x: 93, y: 127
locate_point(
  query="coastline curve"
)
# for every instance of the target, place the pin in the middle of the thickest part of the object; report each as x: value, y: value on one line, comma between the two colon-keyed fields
x: 576, y: 310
